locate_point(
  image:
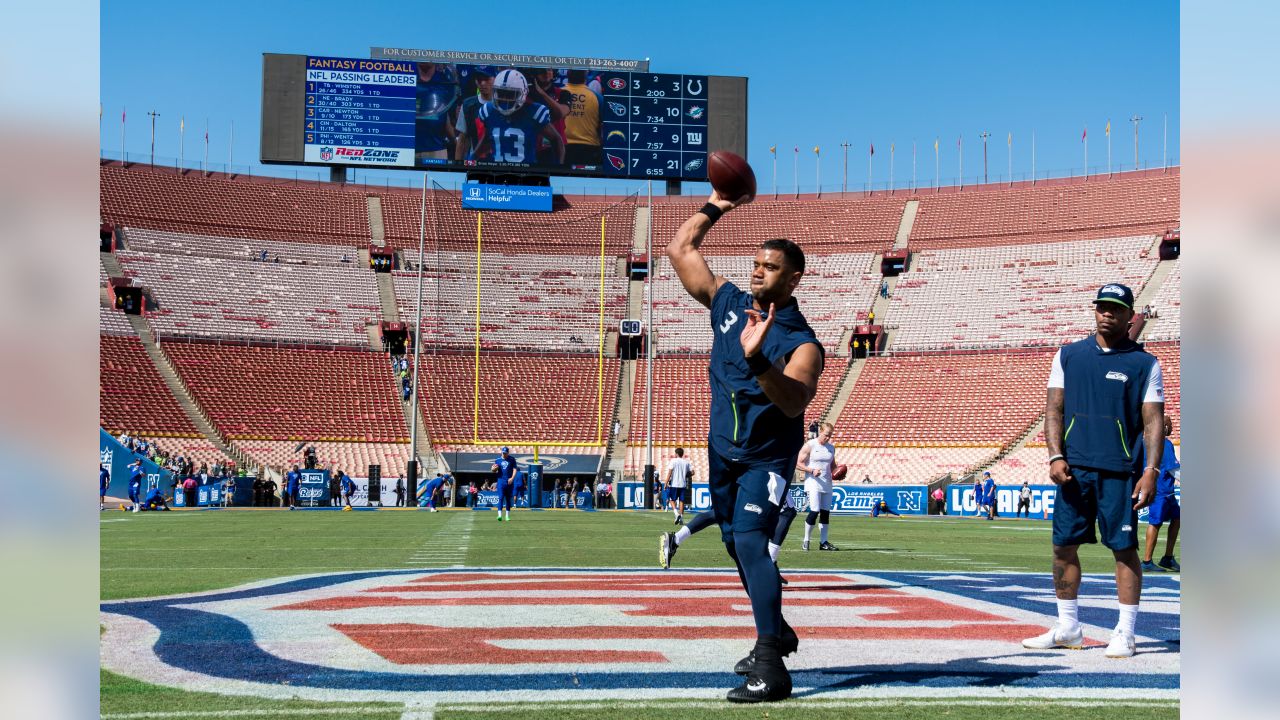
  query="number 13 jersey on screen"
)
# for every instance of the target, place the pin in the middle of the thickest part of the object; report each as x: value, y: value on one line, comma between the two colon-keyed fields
x: 514, y: 137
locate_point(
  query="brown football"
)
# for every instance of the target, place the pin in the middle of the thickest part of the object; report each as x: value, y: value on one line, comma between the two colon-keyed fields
x: 730, y: 175
x: 840, y: 472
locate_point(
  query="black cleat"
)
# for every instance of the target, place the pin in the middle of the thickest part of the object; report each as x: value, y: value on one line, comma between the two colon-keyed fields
x: 787, y: 644
x: 827, y: 546
x: 666, y: 549
x: 768, y: 685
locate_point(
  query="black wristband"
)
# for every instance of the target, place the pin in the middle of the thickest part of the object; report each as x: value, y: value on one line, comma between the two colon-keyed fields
x: 712, y: 212
x: 758, y: 364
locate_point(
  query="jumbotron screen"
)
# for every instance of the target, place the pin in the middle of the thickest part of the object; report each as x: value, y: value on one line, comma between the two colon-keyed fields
x: 497, y: 118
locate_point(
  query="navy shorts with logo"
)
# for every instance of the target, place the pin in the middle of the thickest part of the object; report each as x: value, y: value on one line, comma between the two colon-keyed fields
x: 1096, y: 496
x: 747, y: 496
x: 1164, y: 509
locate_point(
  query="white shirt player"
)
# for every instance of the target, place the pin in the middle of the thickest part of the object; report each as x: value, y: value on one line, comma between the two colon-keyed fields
x: 821, y: 457
x: 678, y: 470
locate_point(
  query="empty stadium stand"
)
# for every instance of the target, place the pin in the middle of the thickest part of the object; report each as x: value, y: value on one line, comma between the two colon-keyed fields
x: 1012, y: 295
x: 959, y: 399
x: 524, y: 398
x: 353, y: 458
x: 1168, y: 305
x: 537, y: 302
x: 268, y: 209
x: 1141, y: 203
x: 132, y: 396
x: 214, y: 297
x: 282, y: 393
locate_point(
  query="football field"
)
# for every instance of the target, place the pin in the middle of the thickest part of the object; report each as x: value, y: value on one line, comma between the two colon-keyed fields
x: 566, y: 614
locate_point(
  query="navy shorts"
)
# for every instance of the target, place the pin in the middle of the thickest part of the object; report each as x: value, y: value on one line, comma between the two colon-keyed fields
x: 747, y: 496
x: 1096, y: 496
x: 1164, y: 509
x: 506, y: 495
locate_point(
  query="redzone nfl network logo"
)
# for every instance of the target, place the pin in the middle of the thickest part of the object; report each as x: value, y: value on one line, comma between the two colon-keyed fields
x: 477, y: 635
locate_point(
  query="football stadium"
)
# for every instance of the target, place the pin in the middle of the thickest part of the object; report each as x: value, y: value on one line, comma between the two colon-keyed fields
x: 422, y: 445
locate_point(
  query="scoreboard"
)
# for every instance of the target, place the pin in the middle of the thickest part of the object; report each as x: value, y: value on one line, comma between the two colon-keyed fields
x: 359, y: 112
x: 395, y: 113
x: 655, y: 124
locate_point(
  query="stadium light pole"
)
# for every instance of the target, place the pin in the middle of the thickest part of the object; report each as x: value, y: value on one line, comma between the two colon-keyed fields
x: 844, y: 173
x: 412, y: 486
x: 153, y: 115
x: 984, y: 135
x: 1136, y: 120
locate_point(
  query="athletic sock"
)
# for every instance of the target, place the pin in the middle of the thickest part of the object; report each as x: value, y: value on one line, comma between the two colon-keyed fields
x: 1067, y: 618
x: 822, y: 531
x: 773, y: 551
x: 1128, y: 617
x: 683, y: 534
x: 808, y: 532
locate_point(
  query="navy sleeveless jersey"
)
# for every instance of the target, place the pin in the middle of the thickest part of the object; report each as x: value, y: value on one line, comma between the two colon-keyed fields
x: 745, y: 425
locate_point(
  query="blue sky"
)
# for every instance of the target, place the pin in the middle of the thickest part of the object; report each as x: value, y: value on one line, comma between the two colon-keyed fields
x: 820, y: 73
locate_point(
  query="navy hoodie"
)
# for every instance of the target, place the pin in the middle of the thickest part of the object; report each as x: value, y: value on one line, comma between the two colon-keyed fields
x: 1102, y: 404
x: 745, y: 425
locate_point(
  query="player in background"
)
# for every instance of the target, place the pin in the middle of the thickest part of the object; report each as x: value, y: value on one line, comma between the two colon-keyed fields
x: 348, y: 488
x: 1104, y: 396
x: 1165, y: 507
x: 764, y: 369
x: 669, y: 542
x: 505, y: 466
x: 1024, y: 500
x: 816, y: 458
x: 989, y: 494
x: 679, y: 471
x: 544, y: 89
x: 429, y: 492
x: 291, y: 487
x: 584, y: 133
x: 155, y: 500
x: 882, y: 508
x: 469, y: 111
x: 104, y: 482
x: 510, y: 127
x: 437, y: 96
x: 136, y: 473
x: 978, y: 496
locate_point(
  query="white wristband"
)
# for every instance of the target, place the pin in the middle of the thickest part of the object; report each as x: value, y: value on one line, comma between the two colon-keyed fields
x: 1057, y: 457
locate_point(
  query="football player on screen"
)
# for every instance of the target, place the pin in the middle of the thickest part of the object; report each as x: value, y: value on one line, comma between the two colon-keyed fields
x: 437, y: 96
x: 509, y: 128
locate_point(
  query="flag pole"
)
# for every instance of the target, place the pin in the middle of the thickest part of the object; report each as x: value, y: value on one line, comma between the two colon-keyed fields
x: 1108, y: 147
x: 913, y: 166
x: 182, y: 131
x: 1084, y: 137
x: 153, y: 114
x: 937, y: 166
x: 1164, y: 152
x: 1033, y: 158
x: 123, y: 158
x: 795, y: 169
x: 1136, y: 119
x: 844, y: 169
x: 1010, y: 159
x: 870, y: 154
x: 891, y: 161
x: 231, y: 147
x: 960, y: 146
x: 773, y: 150
x: 817, y: 170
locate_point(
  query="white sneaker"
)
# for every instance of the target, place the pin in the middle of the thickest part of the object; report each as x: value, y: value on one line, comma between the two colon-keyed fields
x: 135, y: 508
x: 1121, y: 645
x: 1055, y: 638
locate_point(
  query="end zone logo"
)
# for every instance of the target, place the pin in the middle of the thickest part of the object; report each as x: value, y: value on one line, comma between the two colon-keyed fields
x: 564, y: 634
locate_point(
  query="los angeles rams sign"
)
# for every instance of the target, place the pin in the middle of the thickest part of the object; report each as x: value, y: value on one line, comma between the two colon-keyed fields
x: 481, y: 635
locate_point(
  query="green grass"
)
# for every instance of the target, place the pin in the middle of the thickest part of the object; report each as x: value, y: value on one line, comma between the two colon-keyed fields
x: 143, y: 554
x: 139, y: 553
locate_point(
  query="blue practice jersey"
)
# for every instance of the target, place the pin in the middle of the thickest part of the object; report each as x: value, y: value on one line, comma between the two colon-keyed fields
x: 104, y: 479
x: 1168, y: 464
x: 433, y: 485
x: 136, y: 473
x: 989, y: 491
x: 292, y: 479
x: 154, y: 496
x: 514, y: 136
x: 506, y: 469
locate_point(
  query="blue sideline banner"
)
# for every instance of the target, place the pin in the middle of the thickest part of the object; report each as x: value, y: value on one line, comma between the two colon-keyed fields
x: 478, y: 196
x: 845, y: 499
x: 117, y: 459
x: 960, y: 500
